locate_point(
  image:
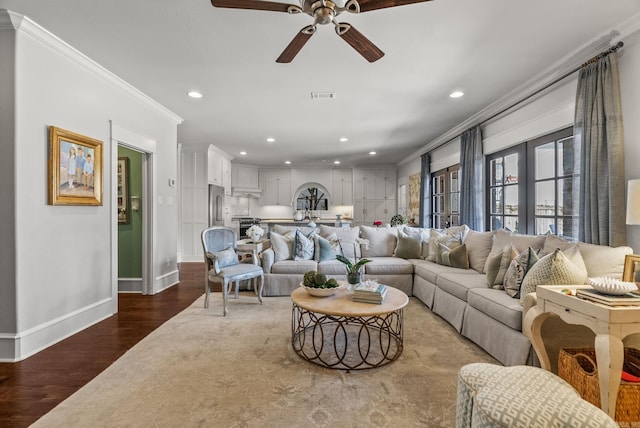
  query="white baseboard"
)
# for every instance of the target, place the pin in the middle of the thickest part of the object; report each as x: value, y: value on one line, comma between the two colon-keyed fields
x: 17, y: 347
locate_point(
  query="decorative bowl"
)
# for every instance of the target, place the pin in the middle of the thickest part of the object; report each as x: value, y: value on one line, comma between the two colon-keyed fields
x: 320, y: 292
x: 611, y: 286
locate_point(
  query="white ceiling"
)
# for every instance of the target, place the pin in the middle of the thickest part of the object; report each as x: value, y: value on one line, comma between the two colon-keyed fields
x: 394, y: 106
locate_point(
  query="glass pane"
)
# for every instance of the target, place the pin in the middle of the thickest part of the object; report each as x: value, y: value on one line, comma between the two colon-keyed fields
x: 511, y: 200
x: 441, y: 203
x: 496, y: 223
x: 434, y: 205
x: 511, y: 169
x: 496, y: 200
x: 544, y: 225
x: 568, y: 228
x: 454, y: 181
x: 545, y: 198
x: 496, y: 172
x: 441, y: 184
x: 437, y: 222
x: 455, y: 220
x: 545, y: 161
x: 454, y: 202
x: 565, y: 157
x: 436, y: 185
x: 565, y: 201
x: 511, y: 223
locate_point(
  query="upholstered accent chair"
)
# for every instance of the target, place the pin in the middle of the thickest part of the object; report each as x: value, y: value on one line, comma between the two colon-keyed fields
x: 223, y: 266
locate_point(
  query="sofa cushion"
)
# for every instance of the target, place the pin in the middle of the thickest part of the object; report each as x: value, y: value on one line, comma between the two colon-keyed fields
x: 424, y: 238
x: 519, y: 242
x: 382, y: 241
x: 332, y: 267
x: 294, y: 266
x: 600, y: 260
x: 409, y: 245
x: 458, y: 283
x: 498, y: 305
x: 478, y: 248
x: 388, y: 266
x: 430, y: 270
x: 557, y: 268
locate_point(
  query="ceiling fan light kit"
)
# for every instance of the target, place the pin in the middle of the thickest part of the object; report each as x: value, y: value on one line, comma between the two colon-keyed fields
x: 323, y: 12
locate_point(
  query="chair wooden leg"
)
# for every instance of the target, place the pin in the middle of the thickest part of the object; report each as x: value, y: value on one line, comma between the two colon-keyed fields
x: 225, y: 292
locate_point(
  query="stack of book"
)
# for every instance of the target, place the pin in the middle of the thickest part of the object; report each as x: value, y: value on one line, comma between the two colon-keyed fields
x: 369, y: 292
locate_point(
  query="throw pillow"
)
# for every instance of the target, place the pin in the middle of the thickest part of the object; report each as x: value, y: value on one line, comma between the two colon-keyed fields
x: 382, y: 241
x: 348, y: 237
x: 226, y: 257
x: 497, y: 265
x: 518, y: 270
x: 455, y: 257
x: 409, y: 245
x: 424, y: 238
x: 282, y: 246
x: 326, y: 248
x: 557, y: 268
x: 519, y: 242
x: 478, y: 247
x: 437, y: 237
x: 303, y: 246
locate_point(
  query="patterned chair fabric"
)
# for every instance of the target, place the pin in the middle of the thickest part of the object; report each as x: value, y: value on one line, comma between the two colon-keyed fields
x: 221, y: 259
x: 521, y: 397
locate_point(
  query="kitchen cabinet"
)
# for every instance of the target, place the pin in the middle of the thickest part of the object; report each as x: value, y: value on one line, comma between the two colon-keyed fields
x: 244, y: 176
x: 374, y: 195
x: 342, y: 192
x: 275, y: 184
x: 219, y: 168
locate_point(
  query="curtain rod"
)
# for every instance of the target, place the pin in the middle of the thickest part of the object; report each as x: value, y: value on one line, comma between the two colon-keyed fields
x: 601, y: 55
x: 598, y: 57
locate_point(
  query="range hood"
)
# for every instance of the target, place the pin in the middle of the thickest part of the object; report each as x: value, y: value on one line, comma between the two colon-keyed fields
x: 249, y: 192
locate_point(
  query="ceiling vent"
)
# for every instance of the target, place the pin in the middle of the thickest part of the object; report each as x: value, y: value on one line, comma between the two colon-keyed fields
x: 323, y: 95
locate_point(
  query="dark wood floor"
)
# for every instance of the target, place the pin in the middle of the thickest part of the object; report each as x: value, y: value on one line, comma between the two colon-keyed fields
x: 31, y: 388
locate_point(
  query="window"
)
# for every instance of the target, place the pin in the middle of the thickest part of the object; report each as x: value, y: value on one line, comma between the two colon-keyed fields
x: 530, y: 186
x: 445, y: 197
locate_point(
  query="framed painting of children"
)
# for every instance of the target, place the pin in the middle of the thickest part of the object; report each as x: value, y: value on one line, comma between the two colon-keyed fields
x: 75, y: 168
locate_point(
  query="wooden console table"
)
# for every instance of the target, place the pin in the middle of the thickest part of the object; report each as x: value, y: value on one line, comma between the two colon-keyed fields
x: 611, y: 324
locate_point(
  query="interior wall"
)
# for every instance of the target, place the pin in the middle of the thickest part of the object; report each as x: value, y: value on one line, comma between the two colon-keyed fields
x: 73, y: 284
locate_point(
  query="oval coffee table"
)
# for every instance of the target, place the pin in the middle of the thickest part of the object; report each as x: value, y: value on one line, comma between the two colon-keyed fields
x: 337, y: 333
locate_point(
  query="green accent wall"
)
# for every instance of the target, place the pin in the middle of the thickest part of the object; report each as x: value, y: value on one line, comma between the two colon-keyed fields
x: 130, y: 235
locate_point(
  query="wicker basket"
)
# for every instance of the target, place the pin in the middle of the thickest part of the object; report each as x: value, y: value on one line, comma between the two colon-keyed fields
x: 578, y: 367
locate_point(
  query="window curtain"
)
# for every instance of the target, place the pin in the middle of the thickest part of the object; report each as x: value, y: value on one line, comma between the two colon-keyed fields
x: 471, y: 195
x: 598, y: 134
x: 425, y: 191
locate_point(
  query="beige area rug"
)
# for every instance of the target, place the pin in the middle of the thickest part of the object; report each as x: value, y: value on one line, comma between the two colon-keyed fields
x: 201, y: 369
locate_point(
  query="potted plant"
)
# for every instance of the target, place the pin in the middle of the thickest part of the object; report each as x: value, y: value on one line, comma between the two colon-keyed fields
x: 353, y: 269
x: 398, y: 220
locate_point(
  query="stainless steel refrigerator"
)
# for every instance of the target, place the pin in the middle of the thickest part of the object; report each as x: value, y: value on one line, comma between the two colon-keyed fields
x: 216, y: 205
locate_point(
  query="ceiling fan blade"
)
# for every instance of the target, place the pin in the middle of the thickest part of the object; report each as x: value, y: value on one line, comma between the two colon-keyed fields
x: 290, y: 52
x: 256, y: 5
x: 359, y: 42
x: 367, y: 5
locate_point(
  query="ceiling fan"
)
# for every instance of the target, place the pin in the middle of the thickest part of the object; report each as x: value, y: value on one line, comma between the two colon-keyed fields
x: 323, y: 12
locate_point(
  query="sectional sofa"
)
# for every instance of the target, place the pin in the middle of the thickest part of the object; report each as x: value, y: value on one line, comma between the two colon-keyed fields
x: 459, y: 274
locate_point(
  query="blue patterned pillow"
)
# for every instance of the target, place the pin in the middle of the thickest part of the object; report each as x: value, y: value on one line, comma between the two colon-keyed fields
x: 303, y: 246
x: 325, y: 249
x: 227, y: 257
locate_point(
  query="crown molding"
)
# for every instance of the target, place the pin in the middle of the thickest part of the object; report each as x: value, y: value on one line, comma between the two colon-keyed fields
x: 523, y: 94
x: 21, y: 23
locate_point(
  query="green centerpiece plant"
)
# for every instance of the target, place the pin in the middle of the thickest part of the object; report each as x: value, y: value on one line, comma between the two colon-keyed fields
x: 353, y: 269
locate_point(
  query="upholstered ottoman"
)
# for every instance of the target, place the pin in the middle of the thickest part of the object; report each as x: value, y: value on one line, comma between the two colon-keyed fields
x: 521, y: 396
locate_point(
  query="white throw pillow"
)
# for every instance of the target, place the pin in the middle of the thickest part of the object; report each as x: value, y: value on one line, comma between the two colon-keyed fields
x: 282, y: 246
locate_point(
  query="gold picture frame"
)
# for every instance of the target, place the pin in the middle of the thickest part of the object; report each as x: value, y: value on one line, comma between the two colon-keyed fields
x: 123, y: 201
x: 630, y: 260
x: 75, y: 168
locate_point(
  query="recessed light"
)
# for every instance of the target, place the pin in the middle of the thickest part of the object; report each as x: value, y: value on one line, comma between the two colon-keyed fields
x: 344, y: 139
x: 456, y: 94
x: 336, y: 162
x: 270, y: 140
x: 243, y: 153
x: 287, y: 162
x: 372, y: 153
x: 194, y: 94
